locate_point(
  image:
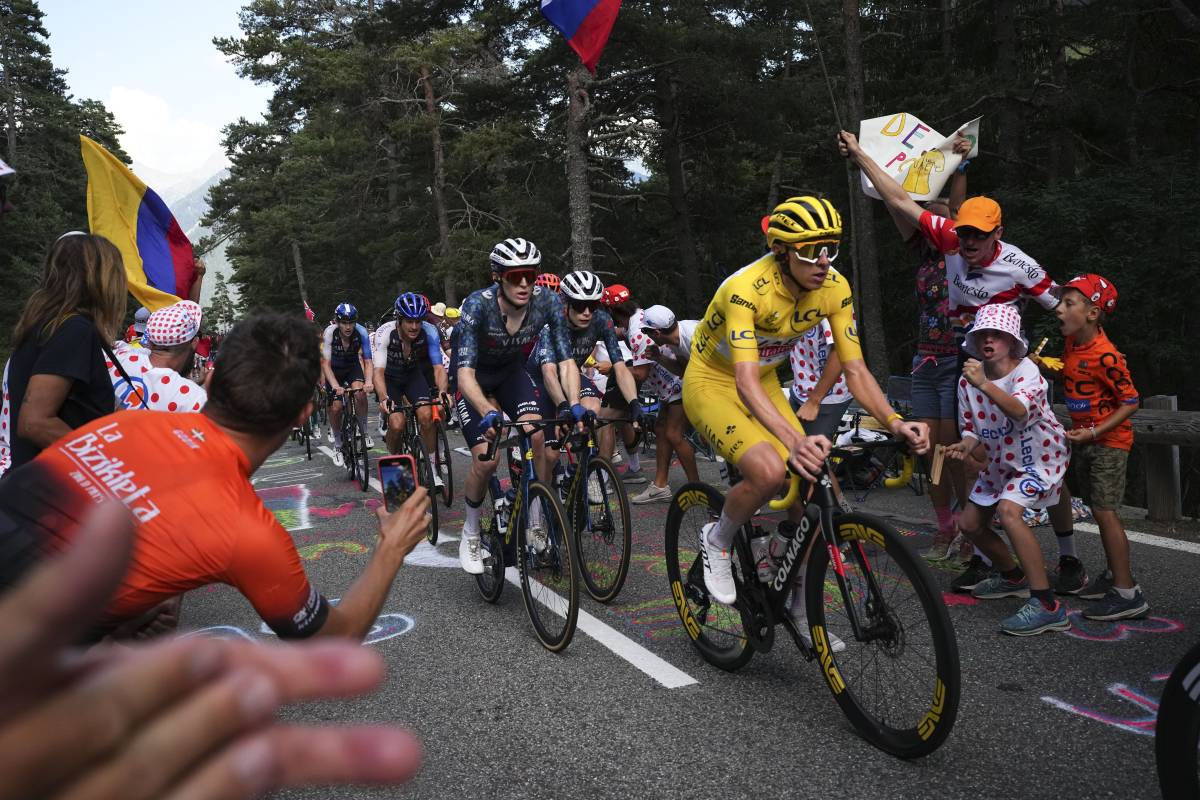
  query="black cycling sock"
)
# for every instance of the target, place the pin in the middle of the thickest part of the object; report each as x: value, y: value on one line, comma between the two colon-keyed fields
x: 1045, y: 597
x: 1016, y: 574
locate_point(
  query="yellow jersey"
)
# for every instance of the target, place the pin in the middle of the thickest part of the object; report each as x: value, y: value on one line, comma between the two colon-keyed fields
x: 753, y: 317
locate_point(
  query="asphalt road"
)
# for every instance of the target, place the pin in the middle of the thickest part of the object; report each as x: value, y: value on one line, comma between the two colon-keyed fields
x: 1062, y: 715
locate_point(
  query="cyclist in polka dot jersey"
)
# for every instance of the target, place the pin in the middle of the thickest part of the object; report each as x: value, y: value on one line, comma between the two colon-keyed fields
x: 152, y: 376
x: 1011, y: 434
x: 819, y: 394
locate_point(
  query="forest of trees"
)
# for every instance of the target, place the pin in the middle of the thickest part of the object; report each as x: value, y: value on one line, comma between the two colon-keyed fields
x: 405, y: 138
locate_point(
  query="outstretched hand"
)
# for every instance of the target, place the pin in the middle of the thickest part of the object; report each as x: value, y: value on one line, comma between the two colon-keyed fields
x: 190, y: 717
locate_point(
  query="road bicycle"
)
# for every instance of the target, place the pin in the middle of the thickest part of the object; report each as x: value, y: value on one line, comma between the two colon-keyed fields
x: 355, y: 456
x: 895, y: 674
x: 1177, y: 730
x: 597, y: 507
x: 414, y: 445
x: 549, y: 583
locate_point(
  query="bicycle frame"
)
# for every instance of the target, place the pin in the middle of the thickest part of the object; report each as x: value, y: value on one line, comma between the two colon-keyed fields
x: 825, y: 496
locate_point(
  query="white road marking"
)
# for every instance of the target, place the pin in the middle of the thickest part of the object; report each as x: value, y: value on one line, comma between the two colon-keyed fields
x: 1134, y: 536
x: 657, y: 668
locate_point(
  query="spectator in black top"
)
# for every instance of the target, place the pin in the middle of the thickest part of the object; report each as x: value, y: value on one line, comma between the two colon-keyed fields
x: 57, y: 380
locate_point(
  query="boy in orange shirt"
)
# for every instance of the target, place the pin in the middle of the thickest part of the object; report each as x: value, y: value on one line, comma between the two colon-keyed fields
x: 1101, y: 398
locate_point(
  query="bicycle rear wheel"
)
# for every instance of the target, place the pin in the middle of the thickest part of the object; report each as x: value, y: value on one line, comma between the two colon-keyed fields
x: 443, y: 464
x: 899, y: 688
x: 716, y: 630
x: 548, y: 578
x: 364, y: 459
x: 425, y: 476
x: 1177, y: 731
x: 601, y: 525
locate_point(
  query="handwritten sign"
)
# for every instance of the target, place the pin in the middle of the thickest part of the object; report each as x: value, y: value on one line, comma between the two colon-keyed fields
x: 918, y: 157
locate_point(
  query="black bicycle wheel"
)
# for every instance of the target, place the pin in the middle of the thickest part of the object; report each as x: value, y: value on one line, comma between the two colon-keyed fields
x: 716, y: 630
x: 349, y: 449
x: 425, y: 476
x: 491, y: 582
x: 1177, y: 731
x: 364, y: 456
x: 443, y: 464
x: 600, y: 521
x: 548, y: 581
x: 899, y: 688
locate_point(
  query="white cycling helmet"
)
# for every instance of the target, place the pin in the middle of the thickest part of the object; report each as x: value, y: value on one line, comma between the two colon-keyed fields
x: 581, y: 285
x: 513, y: 253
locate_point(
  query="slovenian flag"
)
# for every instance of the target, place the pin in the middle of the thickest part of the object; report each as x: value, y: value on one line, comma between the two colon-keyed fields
x: 159, y: 262
x: 585, y: 24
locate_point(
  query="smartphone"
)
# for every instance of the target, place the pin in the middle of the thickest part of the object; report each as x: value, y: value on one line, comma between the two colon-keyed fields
x: 398, y: 478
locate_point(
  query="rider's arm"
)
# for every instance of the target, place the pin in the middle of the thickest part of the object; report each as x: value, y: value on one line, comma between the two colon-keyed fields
x: 902, y: 207
x: 379, y: 360
x: 440, y: 380
x: 465, y: 356
x: 553, y: 387
x: 560, y: 343
x: 327, y: 356
x: 625, y: 381
x: 365, y: 356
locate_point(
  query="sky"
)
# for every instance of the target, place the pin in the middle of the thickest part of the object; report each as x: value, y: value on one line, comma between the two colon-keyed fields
x: 154, y: 66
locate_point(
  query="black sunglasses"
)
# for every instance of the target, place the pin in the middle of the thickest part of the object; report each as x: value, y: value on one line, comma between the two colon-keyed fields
x: 974, y: 233
x: 579, y: 306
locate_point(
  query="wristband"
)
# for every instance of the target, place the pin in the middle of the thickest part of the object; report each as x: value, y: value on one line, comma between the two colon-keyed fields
x: 892, y: 416
x: 963, y: 166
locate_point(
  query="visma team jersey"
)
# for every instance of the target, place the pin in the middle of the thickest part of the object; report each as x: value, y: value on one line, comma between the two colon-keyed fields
x: 484, y: 343
x: 342, y: 354
x: 1010, y: 277
x: 583, y: 340
x: 424, y: 352
x: 754, y: 318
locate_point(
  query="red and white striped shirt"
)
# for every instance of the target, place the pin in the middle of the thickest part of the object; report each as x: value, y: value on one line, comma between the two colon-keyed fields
x: 1010, y: 277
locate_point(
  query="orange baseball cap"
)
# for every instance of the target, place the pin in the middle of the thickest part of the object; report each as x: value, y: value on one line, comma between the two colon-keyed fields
x: 981, y: 213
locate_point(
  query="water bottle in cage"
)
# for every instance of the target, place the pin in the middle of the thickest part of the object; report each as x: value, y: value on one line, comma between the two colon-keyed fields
x: 501, y: 507
x: 759, y: 547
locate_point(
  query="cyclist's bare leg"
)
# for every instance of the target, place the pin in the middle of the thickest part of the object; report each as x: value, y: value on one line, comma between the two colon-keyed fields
x: 662, y: 452
x: 335, y: 419
x: 360, y: 405
x: 395, y: 431
x: 428, y: 434
x: 475, y: 487
x: 763, y: 474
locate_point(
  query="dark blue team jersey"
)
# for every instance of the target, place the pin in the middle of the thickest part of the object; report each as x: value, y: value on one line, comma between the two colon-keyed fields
x: 484, y: 343
x: 582, y: 341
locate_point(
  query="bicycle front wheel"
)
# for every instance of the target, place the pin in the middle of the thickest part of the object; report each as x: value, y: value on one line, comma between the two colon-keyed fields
x: 1177, y: 731
x: 425, y: 476
x: 548, y: 577
x: 442, y: 463
x: 600, y: 521
x: 716, y: 630
x: 899, y: 684
x: 364, y: 459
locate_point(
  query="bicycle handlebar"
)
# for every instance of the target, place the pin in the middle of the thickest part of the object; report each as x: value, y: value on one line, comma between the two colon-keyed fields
x: 840, y: 451
x: 494, y: 444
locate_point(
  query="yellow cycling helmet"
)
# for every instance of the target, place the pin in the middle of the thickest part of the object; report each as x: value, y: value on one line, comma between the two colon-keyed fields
x: 803, y: 219
x: 453, y: 313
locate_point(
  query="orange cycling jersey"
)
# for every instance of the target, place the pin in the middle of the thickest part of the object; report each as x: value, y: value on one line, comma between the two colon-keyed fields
x: 200, y: 522
x: 1097, y: 383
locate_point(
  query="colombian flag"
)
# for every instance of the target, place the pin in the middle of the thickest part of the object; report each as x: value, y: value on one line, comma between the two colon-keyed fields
x: 159, y: 262
x: 586, y: 25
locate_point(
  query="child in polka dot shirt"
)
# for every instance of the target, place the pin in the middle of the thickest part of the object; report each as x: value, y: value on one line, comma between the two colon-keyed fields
x: 1011, y: 434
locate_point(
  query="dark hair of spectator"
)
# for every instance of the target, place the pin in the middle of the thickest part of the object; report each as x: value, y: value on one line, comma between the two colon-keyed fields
x: 84, y: 275
x: 264, y: 373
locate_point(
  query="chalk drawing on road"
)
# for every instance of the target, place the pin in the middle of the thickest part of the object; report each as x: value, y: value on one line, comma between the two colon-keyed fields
x: 1141, y: 723
x: 1119, y: 630
x: 289, y: 504
x: 314, y: 552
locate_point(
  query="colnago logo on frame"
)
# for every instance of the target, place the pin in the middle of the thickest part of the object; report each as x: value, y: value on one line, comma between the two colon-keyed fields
x: 99, y: 474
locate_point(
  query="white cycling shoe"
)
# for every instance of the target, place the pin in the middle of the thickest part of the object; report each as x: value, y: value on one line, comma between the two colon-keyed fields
x: 469, y: 554
x: 718, y: 568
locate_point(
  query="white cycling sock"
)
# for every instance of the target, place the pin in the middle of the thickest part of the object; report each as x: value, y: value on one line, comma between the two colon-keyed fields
x: 722, y: 535
x: 471, y: 522
x: 535, y: 514
x: 633, y: 461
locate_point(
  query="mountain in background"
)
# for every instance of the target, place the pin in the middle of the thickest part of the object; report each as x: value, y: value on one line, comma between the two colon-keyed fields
x: 186, y: 194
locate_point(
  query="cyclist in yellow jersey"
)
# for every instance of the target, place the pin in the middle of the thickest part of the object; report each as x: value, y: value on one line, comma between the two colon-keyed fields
x: 731, y: 393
